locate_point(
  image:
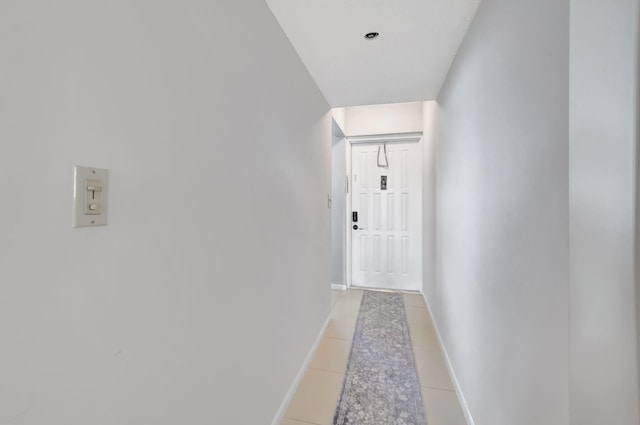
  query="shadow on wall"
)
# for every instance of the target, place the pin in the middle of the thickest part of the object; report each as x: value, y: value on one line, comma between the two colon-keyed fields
x: 338, y: 205
x: 637, y: 204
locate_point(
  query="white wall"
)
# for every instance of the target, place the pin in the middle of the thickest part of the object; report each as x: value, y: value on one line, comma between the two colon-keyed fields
x: 340, y: 116
x: 338, y: 205
x: 429, y: 229
x: 383, y: 119
x: 206, y: 291
x: 603, y: 345
x: 502, y: 210
x: 637, y: 212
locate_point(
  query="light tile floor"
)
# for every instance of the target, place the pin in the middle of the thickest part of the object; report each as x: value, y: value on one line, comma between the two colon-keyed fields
x: 317, y: 396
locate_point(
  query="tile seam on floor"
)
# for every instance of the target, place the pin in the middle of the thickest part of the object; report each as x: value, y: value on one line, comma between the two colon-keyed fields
x: 338, y: 339
x: 431, y: 387
x: 301, y: 421
x: 325, y: 370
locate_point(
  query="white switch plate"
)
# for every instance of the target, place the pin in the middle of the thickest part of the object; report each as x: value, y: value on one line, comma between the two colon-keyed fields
x: 89, y: 177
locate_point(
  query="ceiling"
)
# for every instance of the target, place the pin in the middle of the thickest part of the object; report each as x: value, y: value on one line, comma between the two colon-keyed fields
x: 407, y: 62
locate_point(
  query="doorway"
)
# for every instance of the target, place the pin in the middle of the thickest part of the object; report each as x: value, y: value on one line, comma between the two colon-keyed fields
x: 385, y: 224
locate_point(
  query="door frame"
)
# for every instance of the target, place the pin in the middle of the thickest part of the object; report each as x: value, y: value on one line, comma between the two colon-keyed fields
x: 373, y: 139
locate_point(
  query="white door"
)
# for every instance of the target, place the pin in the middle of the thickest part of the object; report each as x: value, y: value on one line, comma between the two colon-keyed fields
x: 386, y: 239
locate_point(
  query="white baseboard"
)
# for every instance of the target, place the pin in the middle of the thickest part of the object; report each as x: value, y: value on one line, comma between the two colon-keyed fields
x: 294, y: 386
x: 454, y: 379
x: 339, y: 286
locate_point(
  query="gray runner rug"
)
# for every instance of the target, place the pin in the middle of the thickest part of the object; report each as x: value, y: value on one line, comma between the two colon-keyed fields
x: 381, y: 384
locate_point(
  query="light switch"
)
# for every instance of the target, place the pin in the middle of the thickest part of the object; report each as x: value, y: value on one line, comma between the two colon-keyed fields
x: 90, y: 196
x: 93, y: 197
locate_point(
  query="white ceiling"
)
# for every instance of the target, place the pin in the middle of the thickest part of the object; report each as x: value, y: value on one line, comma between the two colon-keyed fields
x: 408, y: 62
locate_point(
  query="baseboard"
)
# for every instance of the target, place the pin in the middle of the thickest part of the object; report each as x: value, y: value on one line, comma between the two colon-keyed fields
x: 454, y: 379
x: 294, y: 386
x: 339, y: 286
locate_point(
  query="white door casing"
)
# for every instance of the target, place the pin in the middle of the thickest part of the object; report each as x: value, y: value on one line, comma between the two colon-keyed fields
x: 387, y: 246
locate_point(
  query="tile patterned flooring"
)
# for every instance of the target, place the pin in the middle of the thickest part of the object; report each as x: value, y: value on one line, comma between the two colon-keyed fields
x: 318, y: 393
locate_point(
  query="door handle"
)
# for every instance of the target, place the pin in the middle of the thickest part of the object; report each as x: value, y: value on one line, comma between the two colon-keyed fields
x: 355, y: 227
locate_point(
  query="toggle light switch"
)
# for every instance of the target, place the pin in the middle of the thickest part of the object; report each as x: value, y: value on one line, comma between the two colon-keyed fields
x: 90, y: 196
x: 93, y: 197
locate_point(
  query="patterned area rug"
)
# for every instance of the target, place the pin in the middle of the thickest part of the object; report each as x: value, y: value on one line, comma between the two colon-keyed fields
x: 381, y: 385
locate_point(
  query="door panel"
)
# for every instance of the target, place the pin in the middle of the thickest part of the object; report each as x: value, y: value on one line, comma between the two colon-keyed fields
x: 387, y: 245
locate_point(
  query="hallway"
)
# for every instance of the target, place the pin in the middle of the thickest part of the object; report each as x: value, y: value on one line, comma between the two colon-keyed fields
x: 318, y: 393
x: 214, y: 123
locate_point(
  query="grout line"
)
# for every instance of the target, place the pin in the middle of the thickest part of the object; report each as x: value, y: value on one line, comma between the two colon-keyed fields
x: 328, y: 371
x: 431, y: 387
x: 422, y: 350
x: 338, y: 339
x: 395, y: 291
x: 302, y: 422
x: 437, y: 389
